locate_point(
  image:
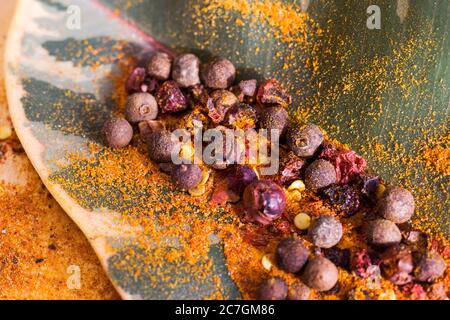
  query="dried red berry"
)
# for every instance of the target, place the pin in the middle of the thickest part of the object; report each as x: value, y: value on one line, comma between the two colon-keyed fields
x: 239, y: 177
x: 219, y: 103
x: 264, y: 201
x: 271, y: 93
x: 138, y: 81
x: 290, y: 168
x: 345, y: 198
x: 397, y: 264
x: 415, y: 291
x: 360, y: 262
x: 170, y: 98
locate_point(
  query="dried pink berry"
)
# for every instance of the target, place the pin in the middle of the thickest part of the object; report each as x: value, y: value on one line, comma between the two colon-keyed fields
x: 170, y: 98
x: 271, y: 93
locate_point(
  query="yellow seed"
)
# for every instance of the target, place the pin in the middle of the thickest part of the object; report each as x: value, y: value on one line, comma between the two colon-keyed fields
x: 205, y: 177
x: 198, y: 191
x: 5, y: 132
x: 302, y: 221
x: 266, y: 262
x: 297, y: 185
x: 380, y: 190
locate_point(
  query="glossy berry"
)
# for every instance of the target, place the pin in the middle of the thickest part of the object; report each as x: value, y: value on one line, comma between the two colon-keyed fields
x: 325, y: 231
x: 320, y: 174
x: 291, y: 255
x: 264, y: 201
x: 239, y: 177
x: 185, y: 70
x: 186, y: 176
x: 117, y: 133
x: 159, y: 66
x: 273, y: 289
x: 304, y: 141
x: 320, y: 274
x: 396, y: 205
x: 218, y: 74
x: 141, y: 107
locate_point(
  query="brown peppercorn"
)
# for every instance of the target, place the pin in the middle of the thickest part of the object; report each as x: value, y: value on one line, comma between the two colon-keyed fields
x: 320, y: 274
x: 273, y: 289
x: 218, y: 73
x: 320, y: 174
x: 117, y: 132
x: 159, y: 66
x: 219, y: 103
x: 304, y: 141
x: 429, y: 267
x: 291, y: 255
x: 160, y: 146
x: 186, y: 176
x: 397, y: 264
x: 186, y: 69
x: 397, y: 205
x: 141, y: 107
x: 382, y: 233
x: 274, y: 118
x: 298, y: 291
x: 325, y: 231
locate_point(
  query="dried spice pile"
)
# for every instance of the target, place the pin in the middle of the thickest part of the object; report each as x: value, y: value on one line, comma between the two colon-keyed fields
x: 323, y: 227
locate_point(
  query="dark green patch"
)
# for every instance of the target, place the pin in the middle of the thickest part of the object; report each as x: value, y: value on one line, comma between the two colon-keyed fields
x: 55, y: 4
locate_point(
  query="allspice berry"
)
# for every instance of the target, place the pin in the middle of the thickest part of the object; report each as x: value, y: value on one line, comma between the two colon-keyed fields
x: 218, y: 73
x: 159, y: 66
x: 141, y: 107
x: 186, y: 176
x: 291, y: 255
x: 186, y: 69
x: 160, y: 146
x: 396, y: 205
x: 117, y: 133
x: 298, y: 291
x: 320, y: 274
x: 382, y: 233
x: 429, y: 267
x: 274, y: 118
x: 273, y: 289
x: 320, y: 174
x: 325, y: 231
x: 304, y: 141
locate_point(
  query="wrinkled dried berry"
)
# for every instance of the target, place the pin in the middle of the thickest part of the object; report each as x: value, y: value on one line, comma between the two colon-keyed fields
x: 344, y: 197
x: 264, y: 201
x: 304, y: 141
x: 274, y: 118
x: 320, y: 174
x: 397, y: 264
x: 290, y: 168
x: 369, y: 187
x: 241, y: 116
x: 291, y: 255
x: 141, y: 107
x: 239, y: 177
x: 160, y: 146
x: 298, y: 291
x: 340, y: 257
x: 232, y: 152
x: 273, y: 289
x: 186, y: 69
x: 325, y: 231
x: 117, y: 133
x: 219, y: 103
x: 186, y: 176
x: 382, y: 233
x: 320, y: 274
x: 170, y: 98
x: 218, y: 73
x: 271, y: 93
x: 396, y: 205
x: 138, y: 81
x: 361, y: 262
x: 245, y: 88
x: 159, y: 66
x: 429, y: 267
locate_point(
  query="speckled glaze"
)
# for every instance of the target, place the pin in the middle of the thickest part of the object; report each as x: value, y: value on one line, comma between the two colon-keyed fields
x: 45, y: 60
